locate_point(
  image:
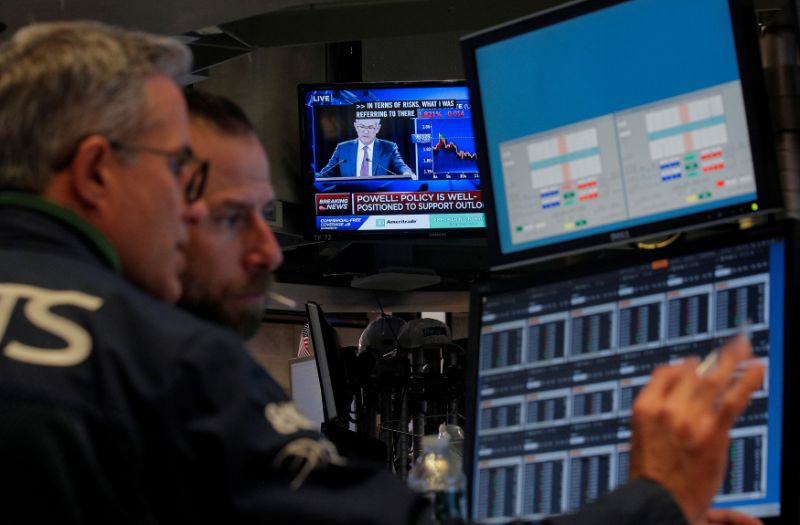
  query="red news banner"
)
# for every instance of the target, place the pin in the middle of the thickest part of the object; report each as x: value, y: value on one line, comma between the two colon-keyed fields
x: 398, y: 202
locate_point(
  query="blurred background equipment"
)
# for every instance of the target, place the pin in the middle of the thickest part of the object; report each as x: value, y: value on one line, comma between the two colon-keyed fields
x: 403, y: 381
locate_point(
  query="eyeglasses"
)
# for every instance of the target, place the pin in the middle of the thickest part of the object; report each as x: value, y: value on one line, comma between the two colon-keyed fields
x: 368, y: 128
x: 177, y: 162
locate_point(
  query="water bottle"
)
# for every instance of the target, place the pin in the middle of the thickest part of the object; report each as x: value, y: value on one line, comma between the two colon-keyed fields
x: 438, y: 475
x: 456, y: 436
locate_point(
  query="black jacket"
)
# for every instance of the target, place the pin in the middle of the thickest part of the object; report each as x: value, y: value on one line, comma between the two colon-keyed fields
x: 184, y: 426
x: 116, y: 408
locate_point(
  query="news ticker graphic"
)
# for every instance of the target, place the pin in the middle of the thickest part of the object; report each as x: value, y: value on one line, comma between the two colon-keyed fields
x: 408, y: 108
x: 398, y: 202
x: 421, y: 221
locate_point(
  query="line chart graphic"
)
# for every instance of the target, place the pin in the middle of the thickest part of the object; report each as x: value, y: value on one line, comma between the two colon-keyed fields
x: 454, y: 147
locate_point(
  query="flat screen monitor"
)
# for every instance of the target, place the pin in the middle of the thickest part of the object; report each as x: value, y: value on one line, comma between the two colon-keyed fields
x: 418, y: 176
x: 330, y: 367
x: 557, y: 362
x: 608, y: 121
x: 306, y: 390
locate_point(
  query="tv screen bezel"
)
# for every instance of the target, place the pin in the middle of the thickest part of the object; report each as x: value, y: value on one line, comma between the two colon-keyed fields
x: 308, y: 207
x: 757, y: 115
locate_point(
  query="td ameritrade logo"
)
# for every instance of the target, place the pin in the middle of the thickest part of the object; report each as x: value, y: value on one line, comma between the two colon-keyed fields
x: 395, y: 222
x: 333, y: 203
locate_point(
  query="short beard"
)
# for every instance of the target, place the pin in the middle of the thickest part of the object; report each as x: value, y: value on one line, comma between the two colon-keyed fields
x: 245, y: 323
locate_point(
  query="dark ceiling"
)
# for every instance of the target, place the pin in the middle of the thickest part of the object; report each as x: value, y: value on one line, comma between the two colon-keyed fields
x: 171, y: 17
x: 218, y: 31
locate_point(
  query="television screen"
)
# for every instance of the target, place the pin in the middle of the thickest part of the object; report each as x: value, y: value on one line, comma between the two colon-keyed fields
x: 608, y: 121
x: 557, y: 363
x: 390, y: 160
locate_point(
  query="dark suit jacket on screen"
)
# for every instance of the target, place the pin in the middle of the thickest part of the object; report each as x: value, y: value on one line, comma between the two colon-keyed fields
x: 386, y: 160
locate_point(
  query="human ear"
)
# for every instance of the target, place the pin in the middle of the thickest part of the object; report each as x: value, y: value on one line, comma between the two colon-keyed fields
x: 89, y: 170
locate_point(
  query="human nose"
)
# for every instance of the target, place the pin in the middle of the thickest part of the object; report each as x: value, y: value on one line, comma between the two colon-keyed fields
x: 265, y: 253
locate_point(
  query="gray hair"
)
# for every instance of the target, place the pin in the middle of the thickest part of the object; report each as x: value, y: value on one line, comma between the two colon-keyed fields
x: 63, y: 81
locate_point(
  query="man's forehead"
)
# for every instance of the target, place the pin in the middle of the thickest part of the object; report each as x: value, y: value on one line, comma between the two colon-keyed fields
x: 242, y: 191
x: 241, y: 176
x: 368, y: 121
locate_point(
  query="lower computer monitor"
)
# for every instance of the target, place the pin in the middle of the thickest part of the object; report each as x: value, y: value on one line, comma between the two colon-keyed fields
x: 558, y: 361
x: 330, y: 367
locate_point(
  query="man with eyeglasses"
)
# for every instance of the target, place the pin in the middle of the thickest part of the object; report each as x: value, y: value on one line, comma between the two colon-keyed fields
x: 367, y: 155
x: 99, y: 186
x: 114, y: 156
x: 118, y: 408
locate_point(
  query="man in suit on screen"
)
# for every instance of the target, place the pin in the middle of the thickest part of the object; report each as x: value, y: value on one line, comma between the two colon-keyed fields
x: 366, y: 156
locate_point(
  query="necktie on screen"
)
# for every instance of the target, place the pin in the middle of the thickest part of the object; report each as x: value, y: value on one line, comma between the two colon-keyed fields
x: 365, y: 164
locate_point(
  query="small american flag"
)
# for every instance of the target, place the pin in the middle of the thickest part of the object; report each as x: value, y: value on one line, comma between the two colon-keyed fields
x: 304, y: 349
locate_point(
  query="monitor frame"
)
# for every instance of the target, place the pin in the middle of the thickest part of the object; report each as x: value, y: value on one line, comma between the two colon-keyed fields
x: 309, y: 212
x: 787, y: 230
x: 330, y: 368
x: 757, y: 115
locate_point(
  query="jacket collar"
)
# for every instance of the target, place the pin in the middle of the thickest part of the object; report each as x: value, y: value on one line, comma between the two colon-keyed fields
x: 65, y: 216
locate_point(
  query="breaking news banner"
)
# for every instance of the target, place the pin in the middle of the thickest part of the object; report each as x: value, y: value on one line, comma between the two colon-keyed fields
x: 334, y: 204
x: 398, y: 202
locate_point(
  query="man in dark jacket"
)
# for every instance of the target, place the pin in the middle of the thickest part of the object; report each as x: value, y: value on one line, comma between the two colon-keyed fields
x: 168, y: 415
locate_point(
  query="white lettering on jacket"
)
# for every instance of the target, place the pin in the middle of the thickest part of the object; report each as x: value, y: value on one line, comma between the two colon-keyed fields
x: 304, y: 455
x: 37, y: 310
x: 286, y: 419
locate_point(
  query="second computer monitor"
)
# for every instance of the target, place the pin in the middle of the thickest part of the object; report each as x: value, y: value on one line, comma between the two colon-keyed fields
x: 558, y: 363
